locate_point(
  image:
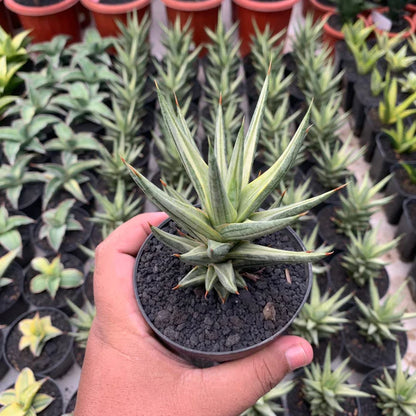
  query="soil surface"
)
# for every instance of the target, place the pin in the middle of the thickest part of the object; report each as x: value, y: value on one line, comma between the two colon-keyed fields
x: 10, y: 294
x: 189, y: 319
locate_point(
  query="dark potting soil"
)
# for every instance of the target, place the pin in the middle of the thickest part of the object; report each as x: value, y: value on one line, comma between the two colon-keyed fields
x: 30, y: 194
x: 38, y: 3
x: 298, y: 406
x: 10, y: 294
x: 44, y: 298
x: 54, y: 351
x: 336, y: 346
x: 187, y: 318
x: 71, y: 239
x: 335, y: 21
x: 368, y: 355
x: 338, y: 278
x: 368, y: 405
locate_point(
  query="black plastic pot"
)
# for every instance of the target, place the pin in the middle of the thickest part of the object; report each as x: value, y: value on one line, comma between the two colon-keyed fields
x: 412, y: 281
x: 402, y: 189
x: 56, y: 357
x: 407, y: 230
x: 195, y: 298
x: 348, y: 81
x: 3, y: 366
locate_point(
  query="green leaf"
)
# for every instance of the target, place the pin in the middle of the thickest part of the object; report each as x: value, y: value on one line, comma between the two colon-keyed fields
x: 226, y: 276
x: 41, y: 402
x: 39, y: 283
x: 194, y: 277
x: 235, y: 171
x: 178, y: 243
x: 71, y: 278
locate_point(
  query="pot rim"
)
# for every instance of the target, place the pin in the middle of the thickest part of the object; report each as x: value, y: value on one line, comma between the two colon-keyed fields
x: 406, y: 34
x: 97, y: 7
x: 323, y: 7
x: 339, y: 35
x: 264, y: 7
x: 23, y: 316
x: 219, y: 356
x: 192, y: 6
x: 34, y: 11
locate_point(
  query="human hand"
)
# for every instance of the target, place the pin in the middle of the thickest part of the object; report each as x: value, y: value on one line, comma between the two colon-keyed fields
x: 127, y: 371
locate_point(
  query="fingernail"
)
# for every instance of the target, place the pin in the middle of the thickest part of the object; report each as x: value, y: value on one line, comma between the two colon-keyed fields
x: 296, y: 357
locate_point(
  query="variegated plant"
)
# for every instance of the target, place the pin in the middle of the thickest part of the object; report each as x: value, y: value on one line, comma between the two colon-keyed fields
x: 219, y: 236
x: 10, y: 237
x: 5, y: 262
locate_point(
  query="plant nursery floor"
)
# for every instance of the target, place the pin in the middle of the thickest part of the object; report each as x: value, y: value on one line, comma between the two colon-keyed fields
x: 397, y: 269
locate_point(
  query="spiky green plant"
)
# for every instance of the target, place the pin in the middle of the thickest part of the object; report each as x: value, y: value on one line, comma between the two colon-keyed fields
x: 219, y: 237
x: 53, y: 53
x: 13, y: 48
x: 365, y: 58
x: 410, y: 170
x: 332, y: 162
x: 408, y: 83
x: 14, y: 177
x: 358, y: 205
x: 396, y: 396
x: 5, y: 262
x: 379, y: 320
x: 8, y: 79
x: 82, y: 321
x: 321, y: 317
x: 266, y: 405
x: 356, y: 33
x: 113, y: 212
x: 53, y: 275
x: 363, y: 261
x: 377, y: 83
x: 36, y: 332
x: 398, y: 61
x: 24, y: 399
x: 10, y: 238
x: 56, y: 222
x: 402, y: 139
x: 325, y: 390
x: 385, y: 42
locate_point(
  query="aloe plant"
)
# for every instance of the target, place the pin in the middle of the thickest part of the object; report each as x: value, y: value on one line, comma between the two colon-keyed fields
x: 403, y: 140
x: 377, y: 83
x: 24, y: 399
x: 5, y: 262
x: 398, y: 61
x: 365, y: 58
x: 408, y: 84
x: 356, y: 33
x: 218, y: 241
x: 52, y: 53
x: 82, y: 321
x: 8, y: 79
x: 10, y: 238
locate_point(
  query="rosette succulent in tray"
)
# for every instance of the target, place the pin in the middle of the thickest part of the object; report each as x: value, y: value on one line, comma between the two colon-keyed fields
x: 249, y: 257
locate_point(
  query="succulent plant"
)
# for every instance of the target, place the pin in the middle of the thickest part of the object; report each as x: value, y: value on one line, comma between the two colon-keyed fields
x: 396, y: 395
x: 325, y: 390
x: 5, y: 262
x: 53, y: 275
x: 399, y: 61
x: 408, y: 84
x: 378, y: 320
x: 403, y: 140
x: 13, y: 48
x: 67, y: 176
x: 24, y: 136
x: 358, y: 205
x: 82, y: 321
x: 8, y: 79
x: 266, y: 405
x: 14, y: 177
x: 24, y: 399
x: 219, y: 236
x: 331, y: 168
x: 357, y: 33
x: 53, y: 53
x: 386, y: 42
x: 377, y: 83
x: 321, y: 317
x: 10, y: 238
x: 56, y: 222
x: 388, y: 110
x: 36, y: 332
x: 363, y: 261
x: 113, y: 213
x: 410, y: 170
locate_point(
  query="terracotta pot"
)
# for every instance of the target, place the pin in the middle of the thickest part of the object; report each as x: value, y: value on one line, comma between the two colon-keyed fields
x: 319, y: 10
x: 411, y: 8
x: 5, y: 20
x: 202, y: 13
x: 274, y: 13
x: 48, y: 21
x: 106, y: 15
x: 406, y: 34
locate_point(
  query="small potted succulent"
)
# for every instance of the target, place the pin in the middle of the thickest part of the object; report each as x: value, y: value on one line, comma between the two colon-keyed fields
x: 217, y: 253
x: 31, y: 397
x: 374, y: 330
x: 40, y: 338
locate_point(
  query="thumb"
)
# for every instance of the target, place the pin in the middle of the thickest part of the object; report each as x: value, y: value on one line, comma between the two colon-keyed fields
x: 237, y: 385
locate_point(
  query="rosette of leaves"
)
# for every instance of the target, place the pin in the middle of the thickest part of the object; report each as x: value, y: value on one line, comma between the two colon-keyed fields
x: 82, y: 321
x: 331, y: 162
x: 379, y: 320
x: 396, y: 395
x: 267, y: 405
x: 402, y: 139
x: 24, y: 399
x: 14, y: 48
x: 36, y: 332
x: 53, y: 275
x: 325, y: 390
x: 218, y: 239
x: 53, y: 53
x: 23, y: 136
x: 14, y: 177
x: 359, y: 204
x: 356, y: 32
x: 68, y: 141
x: 48, y: 77
x: 386, y: 42
x: 5, y: 262
x: 408, y: 83
x: 363, y: 259
x: 398, y: 61
x: 68, y: 176
x: 321, y: 317
x: 114, y: 211
x: 56, y: 222
x: 10, y: 238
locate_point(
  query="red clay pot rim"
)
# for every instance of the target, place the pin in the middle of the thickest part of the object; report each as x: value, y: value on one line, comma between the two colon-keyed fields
x: 336, y: 33
x: 263, y: 6
x: 407, y: 33
x: 411, y: 8
x: 39, y: 11
x: 95, y: 6
x: 322, y: 7
x: 192, y: 6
